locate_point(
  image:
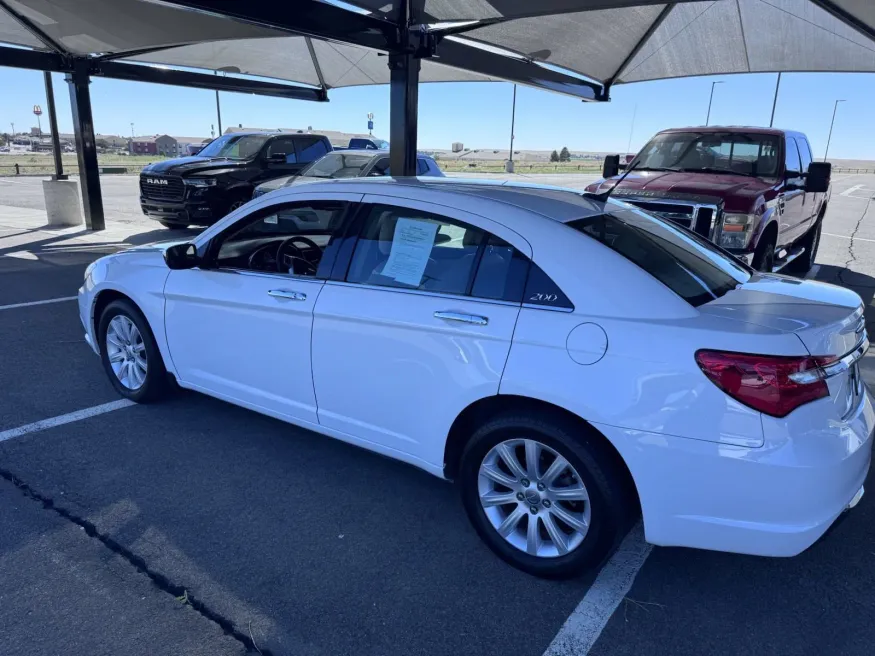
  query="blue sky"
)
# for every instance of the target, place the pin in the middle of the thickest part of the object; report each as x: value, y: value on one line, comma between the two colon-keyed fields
x: 478, y: 114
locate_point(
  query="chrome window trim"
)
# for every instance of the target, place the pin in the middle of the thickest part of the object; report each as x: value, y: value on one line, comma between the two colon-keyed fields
x: 422, y: 292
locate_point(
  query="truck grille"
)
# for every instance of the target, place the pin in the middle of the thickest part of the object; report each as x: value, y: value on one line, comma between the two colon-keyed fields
x: 698, y: 218
x: 161, y: 187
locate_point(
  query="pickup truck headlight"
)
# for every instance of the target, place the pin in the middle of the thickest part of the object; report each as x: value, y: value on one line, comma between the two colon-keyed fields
x: 200, y: 182
x: 736, y: 230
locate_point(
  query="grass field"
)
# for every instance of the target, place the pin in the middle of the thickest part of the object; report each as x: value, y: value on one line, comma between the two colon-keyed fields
x: 492, y: 166
x: 40, y: 164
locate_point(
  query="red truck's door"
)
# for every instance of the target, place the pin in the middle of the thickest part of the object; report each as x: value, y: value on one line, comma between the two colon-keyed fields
x: 791, y: 197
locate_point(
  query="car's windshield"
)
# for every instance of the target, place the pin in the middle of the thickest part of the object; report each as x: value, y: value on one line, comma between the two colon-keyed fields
x: 712, y: 152
x: 338, y: 165
x: 235, y: 146
x: 693, y: 268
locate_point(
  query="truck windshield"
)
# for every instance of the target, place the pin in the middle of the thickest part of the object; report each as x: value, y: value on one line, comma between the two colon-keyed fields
x: 235, y: 146
x: 691, y: 267
x: 712, y: 152
x: 338, y: 165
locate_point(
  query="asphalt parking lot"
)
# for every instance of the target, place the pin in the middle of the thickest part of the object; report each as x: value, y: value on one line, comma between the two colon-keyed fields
x: 195, y: 527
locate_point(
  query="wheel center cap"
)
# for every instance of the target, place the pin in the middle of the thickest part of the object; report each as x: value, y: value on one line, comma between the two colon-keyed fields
x: 532, y: 497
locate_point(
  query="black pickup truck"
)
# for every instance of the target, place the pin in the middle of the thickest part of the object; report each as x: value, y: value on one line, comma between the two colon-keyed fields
x: 200, y: 190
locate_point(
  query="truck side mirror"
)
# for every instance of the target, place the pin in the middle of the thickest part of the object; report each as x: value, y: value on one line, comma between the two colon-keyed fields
x: 277, y: 158
x: 818, y: 178
x: 181, y: 256
x: 611, y: 167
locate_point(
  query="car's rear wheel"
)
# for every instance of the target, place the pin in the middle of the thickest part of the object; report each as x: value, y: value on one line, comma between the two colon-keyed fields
x: 129, y: 353
x: 543, y: 495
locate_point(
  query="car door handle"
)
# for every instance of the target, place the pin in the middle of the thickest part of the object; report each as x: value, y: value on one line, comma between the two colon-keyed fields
x: 476, y: 319
x: 287, y: 294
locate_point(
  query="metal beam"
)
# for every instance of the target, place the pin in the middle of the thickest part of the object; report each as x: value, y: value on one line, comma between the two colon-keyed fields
x: 144, y: 73
x: 306, y: 17
x: 846, y: 17
x: 34, y: 60
x: 643, y: 40
x: 53, y: 126
x: 478, y: 60
x: 86, y: 149
x: 403, y: 100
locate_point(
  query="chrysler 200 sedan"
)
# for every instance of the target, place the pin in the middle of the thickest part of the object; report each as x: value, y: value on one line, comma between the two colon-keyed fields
x: 568, y: 362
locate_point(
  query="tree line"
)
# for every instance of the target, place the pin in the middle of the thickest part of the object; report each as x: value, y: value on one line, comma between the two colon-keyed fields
x: 562, y: 156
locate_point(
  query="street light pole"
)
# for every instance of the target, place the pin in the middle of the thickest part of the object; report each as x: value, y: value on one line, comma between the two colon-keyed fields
x: 775, y: 101
x: 711, y: 100
x: 832, y: 123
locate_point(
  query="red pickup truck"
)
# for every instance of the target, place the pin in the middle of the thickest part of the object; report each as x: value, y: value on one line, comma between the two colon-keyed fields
x: 754, y: 191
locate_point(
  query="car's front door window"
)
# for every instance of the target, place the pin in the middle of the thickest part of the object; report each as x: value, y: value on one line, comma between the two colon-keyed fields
x: 286, y: 239
x: 412, y: 249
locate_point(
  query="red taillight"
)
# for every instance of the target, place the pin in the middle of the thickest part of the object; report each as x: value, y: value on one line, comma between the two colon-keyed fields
x: 766, y: 382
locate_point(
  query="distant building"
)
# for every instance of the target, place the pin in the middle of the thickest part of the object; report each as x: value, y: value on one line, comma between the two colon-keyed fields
x: 165, y: 145
x: 144, y: 146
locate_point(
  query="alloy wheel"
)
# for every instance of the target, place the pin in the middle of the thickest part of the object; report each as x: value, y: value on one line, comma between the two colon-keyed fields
x: 126, y: 352
x: 534, y: 498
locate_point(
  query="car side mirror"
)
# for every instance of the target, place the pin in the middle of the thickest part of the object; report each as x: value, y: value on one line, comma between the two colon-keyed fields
x: 277, y: 158
x: 611, y: 166
x: 181, y: 256
x: 818, y: 178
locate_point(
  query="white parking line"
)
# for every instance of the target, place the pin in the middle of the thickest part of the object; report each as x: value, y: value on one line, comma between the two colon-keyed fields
x: 45, y: 302
x: 60, y: 420
x: 851, y: 190
x: 585, y: 624
x: 829, y: 234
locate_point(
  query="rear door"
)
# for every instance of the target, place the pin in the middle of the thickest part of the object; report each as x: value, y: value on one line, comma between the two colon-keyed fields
x: 792, y: 220
x: 289, y: 164
x: 418, y: 327
x: 809, y: 201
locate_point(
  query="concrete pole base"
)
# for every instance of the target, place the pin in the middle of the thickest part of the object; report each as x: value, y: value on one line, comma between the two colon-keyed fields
x: 62, y: 203
x: 508, y: 166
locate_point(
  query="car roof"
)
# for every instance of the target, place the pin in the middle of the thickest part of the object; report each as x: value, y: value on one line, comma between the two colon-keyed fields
x: 557, y: 203
x: 750, y: 129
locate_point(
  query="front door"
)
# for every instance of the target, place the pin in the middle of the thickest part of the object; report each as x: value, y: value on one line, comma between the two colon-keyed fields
x: 240, y: 327
x: 420, y: 328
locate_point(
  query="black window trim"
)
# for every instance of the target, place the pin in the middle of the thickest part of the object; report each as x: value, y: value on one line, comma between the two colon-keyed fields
x: 329, y: 255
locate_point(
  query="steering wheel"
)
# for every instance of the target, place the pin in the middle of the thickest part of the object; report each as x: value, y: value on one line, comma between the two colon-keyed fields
x: 307, y: 257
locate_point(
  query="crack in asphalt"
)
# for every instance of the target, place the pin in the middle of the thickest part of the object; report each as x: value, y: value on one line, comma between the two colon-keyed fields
x: 159, y: 580
x: 852, y: 256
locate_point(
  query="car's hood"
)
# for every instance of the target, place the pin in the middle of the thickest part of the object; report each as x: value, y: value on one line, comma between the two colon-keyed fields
x: 160, y: 246
x: 827, y: 318
x: 193, y: 164
x: 726, y: 187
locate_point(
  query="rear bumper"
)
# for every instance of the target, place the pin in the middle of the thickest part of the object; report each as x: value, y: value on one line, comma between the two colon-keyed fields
x: 776, y: 500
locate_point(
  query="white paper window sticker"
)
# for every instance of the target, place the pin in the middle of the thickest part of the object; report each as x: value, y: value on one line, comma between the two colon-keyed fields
x: 411, y: 248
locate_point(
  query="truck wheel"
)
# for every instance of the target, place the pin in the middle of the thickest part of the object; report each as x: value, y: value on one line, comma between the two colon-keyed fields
x: 173, y: 226
x: 764, y: 256
x: 810, y: 242
x: 236, y: 204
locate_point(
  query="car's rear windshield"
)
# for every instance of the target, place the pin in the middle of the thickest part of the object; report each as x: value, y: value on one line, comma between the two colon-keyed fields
x: 690, y: 266
x: 338, y: 165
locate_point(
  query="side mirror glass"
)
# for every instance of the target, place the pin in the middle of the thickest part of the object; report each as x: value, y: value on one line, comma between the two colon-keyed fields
x: 818, y: 178
x: 611, y: 166
x: 181, y: 256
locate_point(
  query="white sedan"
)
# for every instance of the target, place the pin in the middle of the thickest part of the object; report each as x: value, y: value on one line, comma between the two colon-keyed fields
x: 568, y: 362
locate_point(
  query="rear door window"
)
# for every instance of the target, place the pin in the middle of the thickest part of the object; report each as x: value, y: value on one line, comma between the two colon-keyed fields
x: 792, y: 157
x: 311, y: 149
x: 804, y: 154
x: 690, y: 267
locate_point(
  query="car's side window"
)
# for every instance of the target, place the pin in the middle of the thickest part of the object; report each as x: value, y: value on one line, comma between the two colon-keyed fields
x: 792, y: 156
x: 421, y: 167
x: 411, y: 249
x: 501, y: 273
x: 288, y: 239
x: 284, y: 146
x: 541, y: 290
x: 381, y: 167
x: 804, y: 154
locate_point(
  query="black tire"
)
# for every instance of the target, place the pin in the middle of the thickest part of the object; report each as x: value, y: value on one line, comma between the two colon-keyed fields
x: 811, y: 242
x: 612, y: 503
x: 764, y: 256
x: 237, y: 203
x: 174, y: 226
x: 156, y: 382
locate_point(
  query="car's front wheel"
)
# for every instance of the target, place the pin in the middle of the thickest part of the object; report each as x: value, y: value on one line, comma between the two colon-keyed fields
x: 543, y: 495
x: 129, y: 353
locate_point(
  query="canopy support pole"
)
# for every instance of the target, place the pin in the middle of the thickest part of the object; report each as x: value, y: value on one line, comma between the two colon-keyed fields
x: 86, y: 149
x: 403, y: 100
x: 53, y: 126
